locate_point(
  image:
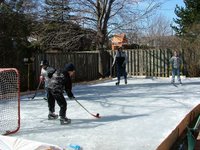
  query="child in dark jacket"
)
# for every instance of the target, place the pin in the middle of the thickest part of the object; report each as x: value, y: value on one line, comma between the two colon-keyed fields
x: 60, y: 80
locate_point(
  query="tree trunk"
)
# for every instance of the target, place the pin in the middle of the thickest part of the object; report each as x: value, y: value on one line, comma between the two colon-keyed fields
x: 100, y: 48
x: 101, y: 62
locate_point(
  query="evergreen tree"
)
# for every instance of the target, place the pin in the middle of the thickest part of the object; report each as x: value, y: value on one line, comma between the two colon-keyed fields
x: 57, y: 10
x: 57, y: 31
x: 188, y: 29
x: 188, y: 19
x: 15, y: 25
x: 15, y: 28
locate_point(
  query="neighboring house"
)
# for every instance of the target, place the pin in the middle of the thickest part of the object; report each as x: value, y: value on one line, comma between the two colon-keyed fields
x: 119, y: 40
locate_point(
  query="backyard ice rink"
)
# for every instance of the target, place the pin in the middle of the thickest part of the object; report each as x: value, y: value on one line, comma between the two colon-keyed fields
x: 136, y: 116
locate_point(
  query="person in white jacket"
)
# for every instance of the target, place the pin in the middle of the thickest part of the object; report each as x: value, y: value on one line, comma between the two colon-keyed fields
x: 120, y: 59
x: 43, y: 75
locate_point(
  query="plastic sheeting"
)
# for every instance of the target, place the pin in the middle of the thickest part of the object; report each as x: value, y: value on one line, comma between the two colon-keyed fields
x: 11, y: 143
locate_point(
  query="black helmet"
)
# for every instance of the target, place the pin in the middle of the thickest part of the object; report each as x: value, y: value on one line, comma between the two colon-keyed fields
x: 44, y: 63
x: 69, y: 67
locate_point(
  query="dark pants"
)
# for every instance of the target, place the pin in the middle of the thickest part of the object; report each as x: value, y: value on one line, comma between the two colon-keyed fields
x: 59, y: 97
x: 121, y: 70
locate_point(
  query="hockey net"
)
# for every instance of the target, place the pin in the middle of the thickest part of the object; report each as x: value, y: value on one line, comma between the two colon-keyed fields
x: 9, y: 101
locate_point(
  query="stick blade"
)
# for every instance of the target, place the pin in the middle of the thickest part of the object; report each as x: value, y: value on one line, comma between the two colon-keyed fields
x: 32, y: 97
x: 97, y: 115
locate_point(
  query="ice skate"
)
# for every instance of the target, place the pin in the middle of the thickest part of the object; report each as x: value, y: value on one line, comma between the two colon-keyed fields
x: 125, y: 81
x: 117, y: 83
x: 172, y: 82
x: 52, y: 116
x: 64, y: 121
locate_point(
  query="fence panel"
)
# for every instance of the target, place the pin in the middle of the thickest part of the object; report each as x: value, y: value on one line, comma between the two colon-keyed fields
x: 86, y: 63
x: 150, y: 62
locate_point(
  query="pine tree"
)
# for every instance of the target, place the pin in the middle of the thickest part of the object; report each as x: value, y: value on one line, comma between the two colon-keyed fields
x: 15, y: 25
x: 188, y: 29
x: 188, y: 20
x: 57, y: 10
x: 58, y: 32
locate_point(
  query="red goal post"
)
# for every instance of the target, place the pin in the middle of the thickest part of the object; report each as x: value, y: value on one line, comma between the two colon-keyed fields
x: 9, y: 101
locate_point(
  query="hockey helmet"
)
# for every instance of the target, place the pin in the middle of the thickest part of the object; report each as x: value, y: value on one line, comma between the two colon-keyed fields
x: 69, y: 67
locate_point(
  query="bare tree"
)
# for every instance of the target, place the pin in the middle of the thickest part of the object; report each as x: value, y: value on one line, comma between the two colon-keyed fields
x: 158, y: 32
x: 65, y: 37
x: 106, y: 16
x: 55, y: 31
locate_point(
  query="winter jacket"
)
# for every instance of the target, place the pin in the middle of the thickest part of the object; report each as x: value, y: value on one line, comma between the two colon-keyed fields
x: 56, y: 81
x: 175, y: 62
x: 44, y: 73
x: 120, y: 58
x: 61, y: 80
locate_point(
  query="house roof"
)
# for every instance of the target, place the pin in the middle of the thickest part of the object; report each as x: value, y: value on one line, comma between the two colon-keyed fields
x: 119, y: 38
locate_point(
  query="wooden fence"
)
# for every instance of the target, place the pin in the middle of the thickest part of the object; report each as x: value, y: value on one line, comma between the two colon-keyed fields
x: 86, y: 63
x: 148, y: 62
x: 140, y: 63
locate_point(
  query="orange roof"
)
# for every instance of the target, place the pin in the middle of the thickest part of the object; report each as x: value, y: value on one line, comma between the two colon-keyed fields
x: 118, y: 40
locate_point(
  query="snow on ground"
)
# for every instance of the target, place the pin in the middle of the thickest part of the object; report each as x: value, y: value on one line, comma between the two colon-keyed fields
x: 137, y: 116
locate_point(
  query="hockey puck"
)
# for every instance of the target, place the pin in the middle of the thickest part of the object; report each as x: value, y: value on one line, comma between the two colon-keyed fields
x: 98, y: 115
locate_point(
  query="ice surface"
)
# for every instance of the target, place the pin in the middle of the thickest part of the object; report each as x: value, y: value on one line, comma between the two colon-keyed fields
x: 136, y: 116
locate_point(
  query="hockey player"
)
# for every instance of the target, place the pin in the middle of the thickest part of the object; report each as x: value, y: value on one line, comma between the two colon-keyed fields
x: 60, y: 80
x: 120, y: 59
x: 43, y: 75
x: 176, y: 63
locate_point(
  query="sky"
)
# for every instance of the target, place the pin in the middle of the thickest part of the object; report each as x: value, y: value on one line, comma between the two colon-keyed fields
x: 131, y: 115
x: 168, y: 7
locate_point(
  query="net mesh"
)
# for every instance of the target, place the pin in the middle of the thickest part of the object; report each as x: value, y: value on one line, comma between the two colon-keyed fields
x: 9, y: 101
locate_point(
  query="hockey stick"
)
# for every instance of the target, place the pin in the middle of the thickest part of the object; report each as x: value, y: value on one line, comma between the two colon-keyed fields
x: 97, y: 115
x: 36, y: 90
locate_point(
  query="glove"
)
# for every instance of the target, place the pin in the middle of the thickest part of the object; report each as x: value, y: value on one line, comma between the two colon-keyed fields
x: 41, y: 78
x: 72, y: 98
